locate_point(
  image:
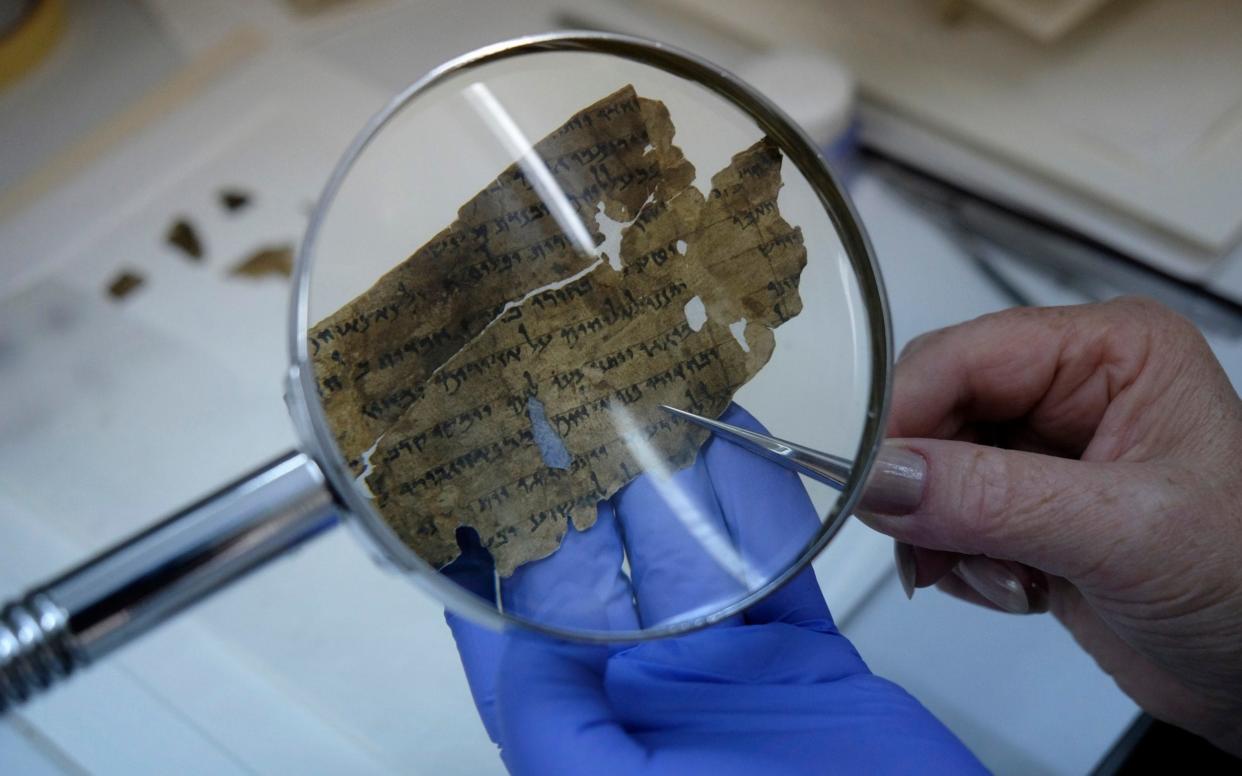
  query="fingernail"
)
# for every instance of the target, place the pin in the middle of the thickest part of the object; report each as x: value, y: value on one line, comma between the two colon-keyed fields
x: 1037, y: 592
x: 907, y: 567
x: 996, y: 582
x: 895, y: 486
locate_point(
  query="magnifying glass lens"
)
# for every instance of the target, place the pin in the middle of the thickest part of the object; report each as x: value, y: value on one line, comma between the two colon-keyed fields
x: 519, y: 265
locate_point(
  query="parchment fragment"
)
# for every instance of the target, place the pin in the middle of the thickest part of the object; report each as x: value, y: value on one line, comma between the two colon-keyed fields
x: 183, y: 236
x: 124, y: 283
x: 519, y: 421
x: 234, y: 200
x: 373, y: 356
x: 271, y: 260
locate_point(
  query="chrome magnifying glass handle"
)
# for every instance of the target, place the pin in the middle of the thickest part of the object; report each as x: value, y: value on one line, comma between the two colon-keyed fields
x: 131, y: 588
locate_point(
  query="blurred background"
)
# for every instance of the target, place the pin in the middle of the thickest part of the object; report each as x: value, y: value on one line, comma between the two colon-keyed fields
x: 158, y: 162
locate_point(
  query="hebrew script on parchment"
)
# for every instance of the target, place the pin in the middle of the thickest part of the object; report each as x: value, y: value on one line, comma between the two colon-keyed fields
x: 507, y: 377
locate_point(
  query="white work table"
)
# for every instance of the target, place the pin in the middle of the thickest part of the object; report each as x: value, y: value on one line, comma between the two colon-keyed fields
x: 116, y: 413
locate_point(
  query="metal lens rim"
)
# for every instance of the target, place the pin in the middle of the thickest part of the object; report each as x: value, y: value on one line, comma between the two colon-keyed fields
x: 319, y: 441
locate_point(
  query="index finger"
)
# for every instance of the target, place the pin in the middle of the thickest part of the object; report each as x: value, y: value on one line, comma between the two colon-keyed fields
x: 733, y: 521
x: 581, y: 586
x: 1057, y: 369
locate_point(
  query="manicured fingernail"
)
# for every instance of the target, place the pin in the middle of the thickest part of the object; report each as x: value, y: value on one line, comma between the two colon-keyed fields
x: 895, y: 486
x: 907, y: 567
x: 996, y: 582
x: 1037, y: 592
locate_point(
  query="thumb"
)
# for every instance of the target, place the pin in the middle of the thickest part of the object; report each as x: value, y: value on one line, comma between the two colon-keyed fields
x: 1055, y: 514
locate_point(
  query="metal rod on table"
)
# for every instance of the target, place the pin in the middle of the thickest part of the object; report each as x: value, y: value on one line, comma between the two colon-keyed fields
x: 126, y: 591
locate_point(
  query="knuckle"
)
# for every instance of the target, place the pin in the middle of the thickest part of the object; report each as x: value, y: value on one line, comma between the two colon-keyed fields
x: 1147, y: 309
x: 935, y: 340
x: 1145, y: 313
x: 1133, y: 303
x: 920, y: 342
x: 1157, y: 337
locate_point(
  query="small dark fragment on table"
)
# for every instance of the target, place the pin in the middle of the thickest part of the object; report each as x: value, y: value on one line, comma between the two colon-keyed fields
x: 234, y: 200
x: 271, y: 260
x: 183, y: 236
x: 124, y: 284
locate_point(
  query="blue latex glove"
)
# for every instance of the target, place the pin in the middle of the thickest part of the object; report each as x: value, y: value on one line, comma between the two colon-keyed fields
x: 775, y: 690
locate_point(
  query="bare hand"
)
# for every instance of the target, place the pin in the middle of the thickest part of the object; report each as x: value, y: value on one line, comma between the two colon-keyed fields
x: 1099, y: 447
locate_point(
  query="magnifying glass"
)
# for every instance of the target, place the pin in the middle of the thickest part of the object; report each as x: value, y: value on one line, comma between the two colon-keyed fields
x: 518, y: 262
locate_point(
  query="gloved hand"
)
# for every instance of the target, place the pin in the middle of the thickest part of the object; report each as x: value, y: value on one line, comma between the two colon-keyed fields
x: 776, y: 689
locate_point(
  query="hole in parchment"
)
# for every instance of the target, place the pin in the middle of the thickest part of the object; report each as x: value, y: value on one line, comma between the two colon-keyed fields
x: 681, y: 247
x: 551, y: 447
x: 696, y: 313
x: 611, y: 246
x: 738, y: 330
